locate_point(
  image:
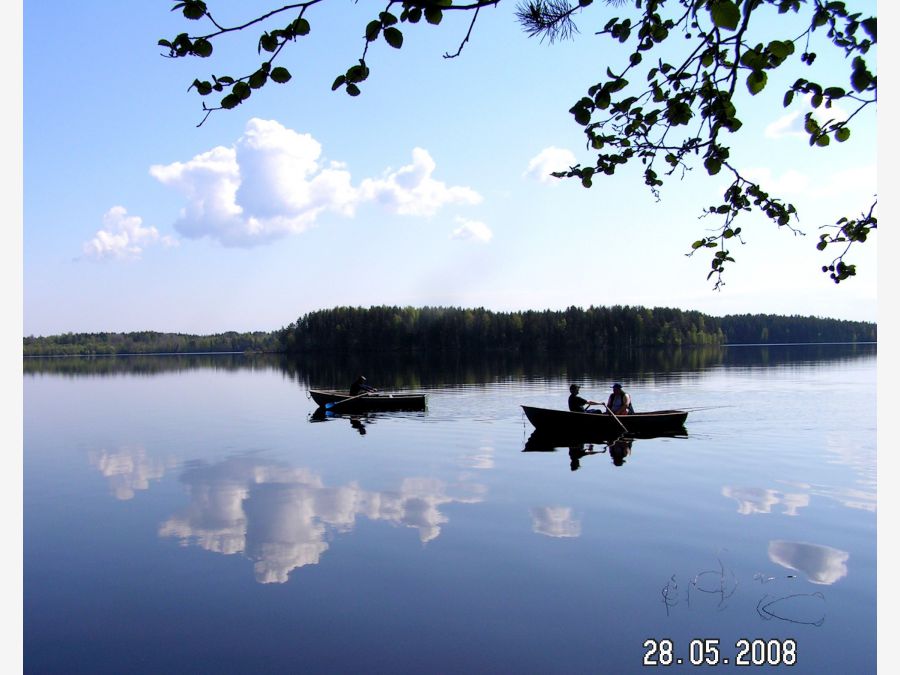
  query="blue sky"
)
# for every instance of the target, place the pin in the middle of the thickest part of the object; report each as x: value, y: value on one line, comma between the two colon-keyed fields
x: 430, y: 188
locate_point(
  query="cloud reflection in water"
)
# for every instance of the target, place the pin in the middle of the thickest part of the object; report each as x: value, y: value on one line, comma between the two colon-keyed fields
x: 821, y: 564
x: 279, y: 516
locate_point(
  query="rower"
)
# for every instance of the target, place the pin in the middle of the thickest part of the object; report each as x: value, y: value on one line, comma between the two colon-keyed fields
x: 360, y: 387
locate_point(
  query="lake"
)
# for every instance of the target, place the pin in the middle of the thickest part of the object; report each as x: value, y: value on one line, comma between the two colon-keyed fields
x: 188, y: 514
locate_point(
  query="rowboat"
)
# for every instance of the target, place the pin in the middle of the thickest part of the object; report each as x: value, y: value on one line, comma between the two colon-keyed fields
x: 598, y: 426
x: 373, y: 401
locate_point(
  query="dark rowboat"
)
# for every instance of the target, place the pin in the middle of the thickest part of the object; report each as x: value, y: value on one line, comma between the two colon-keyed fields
x: 563, y: 423
x: 344, y: 403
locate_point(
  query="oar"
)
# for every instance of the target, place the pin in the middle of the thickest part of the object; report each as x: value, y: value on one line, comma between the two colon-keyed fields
x: 615, y: 418
x: 329, y: 406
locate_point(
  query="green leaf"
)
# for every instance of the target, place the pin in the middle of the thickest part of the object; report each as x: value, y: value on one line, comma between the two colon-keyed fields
x: 357, y: 73
x: 725, y: 14
x: 353, y: 90
x: 870, y: 25
x: 823, y: 140
x: 713, y: 165
x: 756, y: 81
x: 268, y: 42
x: 300, y: 26
x: 861, y: 77
x: 338, y: 81
x: 193, y: 9
x: 433, y: 15
x: 258, y: 79
x: 230, y: 101
x: 781, y: 48
x: 203, y: 88
x: 241, y: 90
x: 842, y: 134
x: 202, y: 48
x: 280, y: 75
x: 372, y: 30
x: 387, y: 19
x: 602, y: 99
x: 393, y: 37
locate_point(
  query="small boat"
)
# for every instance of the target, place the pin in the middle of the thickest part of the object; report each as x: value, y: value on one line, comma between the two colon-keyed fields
x: 372, y: 401
x: 597, y: 425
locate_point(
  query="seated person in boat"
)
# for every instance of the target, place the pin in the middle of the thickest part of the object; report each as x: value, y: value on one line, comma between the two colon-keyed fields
x: 619, y: 402
x: 576, y: 403
x: 360, y: 387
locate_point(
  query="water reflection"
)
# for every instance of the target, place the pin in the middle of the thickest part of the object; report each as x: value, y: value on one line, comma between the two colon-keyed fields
x: 280, y: 516
x: 758, y: 500
x: 821, y: 564
x: 555, y: 521
x: 128, y: 469
x: 418, y: 370
x: 359, y: 422
x: 618, y: 449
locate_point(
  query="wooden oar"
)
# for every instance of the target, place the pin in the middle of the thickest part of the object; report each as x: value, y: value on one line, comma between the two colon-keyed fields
x: 329, y: 406
x: 615, y: 418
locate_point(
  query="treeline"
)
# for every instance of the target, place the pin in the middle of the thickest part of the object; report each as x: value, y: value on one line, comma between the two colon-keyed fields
x: 453, y: 330
x: 774, y: 329
x: 442, y: 329
x: 148, y: 342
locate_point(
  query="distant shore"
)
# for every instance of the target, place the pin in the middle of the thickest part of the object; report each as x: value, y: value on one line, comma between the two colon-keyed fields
x: 440, y: 329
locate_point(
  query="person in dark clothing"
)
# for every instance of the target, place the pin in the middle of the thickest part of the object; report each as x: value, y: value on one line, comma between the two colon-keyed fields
x: 619, y: 401
x: 576, y: 403
x: 360, y: 387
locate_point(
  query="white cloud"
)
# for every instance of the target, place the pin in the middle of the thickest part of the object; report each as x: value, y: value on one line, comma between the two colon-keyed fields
x: 790, y: 182
x: 856, y: 180
x: 548, y: 160
x: 472, y: 229
x: 123, y: 237
x: 411, y: 190
x: 791, y: 124
x: 273, y: 182
x: 268, y: 185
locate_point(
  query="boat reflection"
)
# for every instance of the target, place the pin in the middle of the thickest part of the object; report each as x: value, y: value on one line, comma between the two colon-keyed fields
x: 358, y: 421
x: 618, y: 448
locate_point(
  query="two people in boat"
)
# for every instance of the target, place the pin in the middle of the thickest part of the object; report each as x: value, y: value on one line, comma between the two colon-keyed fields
x: 619, y: 401
x: 360, y: 386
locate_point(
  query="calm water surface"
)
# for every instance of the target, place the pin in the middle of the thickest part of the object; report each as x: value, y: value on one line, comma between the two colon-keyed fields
x: 188, y: 515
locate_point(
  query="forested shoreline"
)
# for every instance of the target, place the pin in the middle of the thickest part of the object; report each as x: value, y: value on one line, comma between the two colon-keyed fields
x: 453, y: 329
